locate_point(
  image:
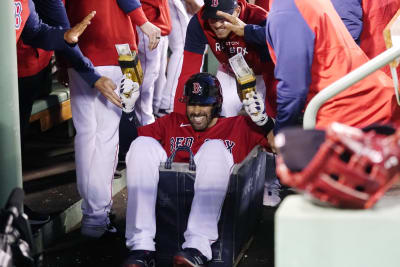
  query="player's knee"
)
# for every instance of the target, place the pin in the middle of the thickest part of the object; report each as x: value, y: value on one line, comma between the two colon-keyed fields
x: 142, y: 145
x: 214, y: 148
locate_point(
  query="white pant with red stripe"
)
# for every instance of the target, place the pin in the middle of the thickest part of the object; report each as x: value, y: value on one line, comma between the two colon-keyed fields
x: 96, y: 121
x: 213, y: 168
x: 176, y: 42
x: 153, y: 63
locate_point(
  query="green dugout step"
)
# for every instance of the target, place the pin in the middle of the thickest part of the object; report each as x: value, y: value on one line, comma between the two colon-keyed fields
x: 307, y: 235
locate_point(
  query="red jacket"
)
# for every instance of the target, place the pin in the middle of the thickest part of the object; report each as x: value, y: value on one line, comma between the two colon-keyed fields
x: 157, y: 12
x: 376, y: 15
x: 21, y: 14
x: 31, y: 60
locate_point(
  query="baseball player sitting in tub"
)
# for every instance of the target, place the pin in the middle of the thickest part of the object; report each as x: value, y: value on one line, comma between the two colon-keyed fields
x: 217, y: 143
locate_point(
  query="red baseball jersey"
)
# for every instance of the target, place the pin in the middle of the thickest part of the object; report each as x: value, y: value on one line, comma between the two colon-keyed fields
x: 239, y: 134
x: 115, y: 23
x: 199, y: 34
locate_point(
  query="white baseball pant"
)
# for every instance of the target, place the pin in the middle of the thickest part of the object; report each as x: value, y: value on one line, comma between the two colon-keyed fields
x: 161, y: 81
x: 176, y: 43
x: 213, y: 168
x: 151, y: 65
x: 96, y: 121
x: 232, y: 104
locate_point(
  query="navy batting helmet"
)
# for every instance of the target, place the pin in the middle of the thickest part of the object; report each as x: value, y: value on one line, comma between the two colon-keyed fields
x: 204, y: 89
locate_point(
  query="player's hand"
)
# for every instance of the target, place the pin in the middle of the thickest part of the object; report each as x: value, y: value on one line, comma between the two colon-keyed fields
x: 106, y: 87
x: 129, y: 93
x: 153, y: 32
x: 192, y: 6
x: 255, y: 108
x: 232, y: 23
x: 72, y: 35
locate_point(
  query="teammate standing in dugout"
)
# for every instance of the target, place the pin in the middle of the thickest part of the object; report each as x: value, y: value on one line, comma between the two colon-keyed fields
x: 312, y: 48
x: 206, y: 27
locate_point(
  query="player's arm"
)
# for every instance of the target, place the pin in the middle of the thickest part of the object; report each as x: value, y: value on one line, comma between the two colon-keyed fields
x: 41, y: 35
x: 293, y: 41
x: 350, y: 11
x: 195, y: 45
x: 254, y: 106
x: 63, y: 40
x: 134, y: 10
x: 252, y: 33
x: 157, y: 129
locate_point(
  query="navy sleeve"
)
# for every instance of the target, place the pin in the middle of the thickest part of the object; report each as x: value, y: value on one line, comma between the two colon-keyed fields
x: 350, y: 11
x: 293, y: 43
x: 128, y: 5
x: 195, y: 38
x: 54, y: 14
x: 38, y: 34
x: 255, y: 34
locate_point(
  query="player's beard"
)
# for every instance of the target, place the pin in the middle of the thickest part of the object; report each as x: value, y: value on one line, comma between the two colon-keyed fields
x: 200, y: 121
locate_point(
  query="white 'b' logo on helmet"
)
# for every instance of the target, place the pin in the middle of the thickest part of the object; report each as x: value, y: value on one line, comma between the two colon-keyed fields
x: 197, y: 89
x: 214, y: 3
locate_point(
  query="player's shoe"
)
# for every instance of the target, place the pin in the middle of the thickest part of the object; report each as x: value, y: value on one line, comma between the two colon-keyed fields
x: 98, y: 231
x: 140, y: 258
x: 271, y: 193
x: 190, y: 257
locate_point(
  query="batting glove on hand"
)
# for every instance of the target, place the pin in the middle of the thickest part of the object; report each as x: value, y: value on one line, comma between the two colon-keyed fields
x: 254, y: 106
x: 129, y: 93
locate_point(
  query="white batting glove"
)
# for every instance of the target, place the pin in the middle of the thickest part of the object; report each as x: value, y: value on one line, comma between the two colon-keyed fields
x: 255, y: 108
x: 129, y: 93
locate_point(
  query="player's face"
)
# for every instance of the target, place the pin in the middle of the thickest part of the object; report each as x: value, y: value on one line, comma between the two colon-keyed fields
x: 200, y: 116
x: 218, y: 25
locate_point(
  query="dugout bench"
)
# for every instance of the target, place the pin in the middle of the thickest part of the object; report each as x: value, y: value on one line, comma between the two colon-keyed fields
x: 52, y: 109
x: 240, y: 215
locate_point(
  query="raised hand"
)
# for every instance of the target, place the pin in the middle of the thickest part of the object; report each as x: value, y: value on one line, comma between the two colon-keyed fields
x: 106, y: 87
x: 72, y: 35
x: 129, y: 93
x: 255, y: 108
x: 232, y: 23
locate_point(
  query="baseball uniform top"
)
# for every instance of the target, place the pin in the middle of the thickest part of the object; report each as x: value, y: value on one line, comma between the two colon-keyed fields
x: 252, y: 46
x: 157, y: 12
x: 239, y: 134
x: 32, y: 60
x: 312, y: 48
x: 35, y: 33
x: 113, y: 24
x: 366, y: 20
x: 262, y: 3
